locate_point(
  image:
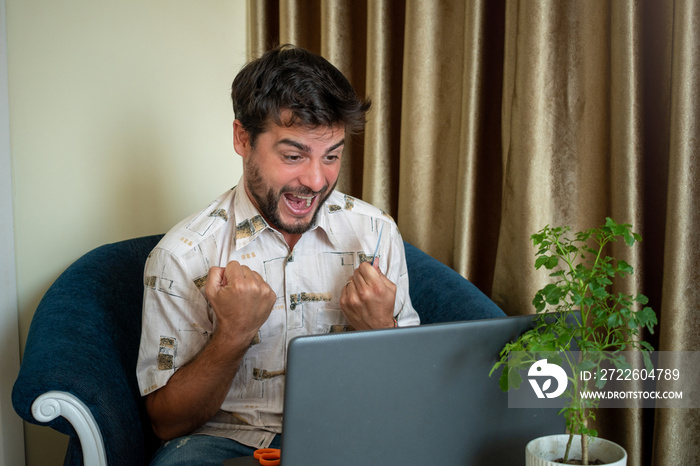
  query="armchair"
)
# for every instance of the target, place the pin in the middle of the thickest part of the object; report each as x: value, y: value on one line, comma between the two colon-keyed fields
x: 78, y: 371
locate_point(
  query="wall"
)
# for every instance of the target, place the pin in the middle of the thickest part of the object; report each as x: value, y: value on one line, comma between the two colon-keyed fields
x: 11, y: 431
x: 120, y: 126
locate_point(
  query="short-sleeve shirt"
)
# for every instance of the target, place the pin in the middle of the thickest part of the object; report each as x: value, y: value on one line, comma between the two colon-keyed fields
x: 308, y: 280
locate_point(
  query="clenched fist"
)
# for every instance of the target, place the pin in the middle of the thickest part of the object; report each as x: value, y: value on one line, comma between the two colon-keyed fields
x: 367, y: 300
x: 241, y: 299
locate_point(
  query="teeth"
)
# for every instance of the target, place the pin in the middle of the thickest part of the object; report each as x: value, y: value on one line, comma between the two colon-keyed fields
x: 308, y: 199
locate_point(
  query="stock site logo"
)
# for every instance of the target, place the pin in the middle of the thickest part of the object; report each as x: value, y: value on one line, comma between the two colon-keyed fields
x: 546, y: 372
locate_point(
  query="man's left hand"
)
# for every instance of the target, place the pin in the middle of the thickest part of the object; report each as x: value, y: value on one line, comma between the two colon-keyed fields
x: 367, y: 300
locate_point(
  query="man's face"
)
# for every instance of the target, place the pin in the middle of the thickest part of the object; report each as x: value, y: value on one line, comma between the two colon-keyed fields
x: 290, y: 172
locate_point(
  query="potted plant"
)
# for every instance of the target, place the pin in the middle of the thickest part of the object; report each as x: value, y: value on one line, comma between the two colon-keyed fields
x: 587, y: 316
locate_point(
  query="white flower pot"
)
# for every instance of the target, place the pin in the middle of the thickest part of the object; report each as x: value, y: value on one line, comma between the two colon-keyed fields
x: 544, y: 450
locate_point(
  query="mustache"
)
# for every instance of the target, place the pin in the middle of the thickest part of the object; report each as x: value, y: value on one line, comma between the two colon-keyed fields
x: 303, y: 190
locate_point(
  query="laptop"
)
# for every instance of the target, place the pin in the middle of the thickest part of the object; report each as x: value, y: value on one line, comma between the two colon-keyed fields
x: 413, y: 396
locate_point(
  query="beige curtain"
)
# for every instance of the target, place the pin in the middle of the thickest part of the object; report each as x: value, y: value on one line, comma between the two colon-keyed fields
x: 494, y: 118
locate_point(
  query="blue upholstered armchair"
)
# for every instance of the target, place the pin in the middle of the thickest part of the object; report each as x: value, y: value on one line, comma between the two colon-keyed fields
x: 78, y: 372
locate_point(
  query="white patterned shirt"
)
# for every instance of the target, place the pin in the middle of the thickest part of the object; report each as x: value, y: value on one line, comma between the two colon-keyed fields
x: 178, y: 322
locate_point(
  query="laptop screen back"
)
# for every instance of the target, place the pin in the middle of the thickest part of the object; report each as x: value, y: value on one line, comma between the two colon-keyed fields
x: 412, y: 396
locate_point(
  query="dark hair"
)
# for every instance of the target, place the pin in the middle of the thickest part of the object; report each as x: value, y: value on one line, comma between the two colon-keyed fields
x: 291, y: 78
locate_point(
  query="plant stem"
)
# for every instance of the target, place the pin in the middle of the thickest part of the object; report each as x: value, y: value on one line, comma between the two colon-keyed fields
x: 584, y: 424
x: 568, y: 447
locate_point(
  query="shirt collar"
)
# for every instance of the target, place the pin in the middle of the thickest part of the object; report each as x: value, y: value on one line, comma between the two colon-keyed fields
x: 323, y: 221
x: 250, y: 222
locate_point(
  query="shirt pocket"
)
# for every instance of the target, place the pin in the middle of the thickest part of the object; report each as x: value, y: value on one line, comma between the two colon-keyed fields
x: 328, y: 319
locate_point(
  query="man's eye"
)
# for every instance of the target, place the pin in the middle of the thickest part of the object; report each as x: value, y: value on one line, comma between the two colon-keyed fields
x: 292, y: 158
x: 332, y: 158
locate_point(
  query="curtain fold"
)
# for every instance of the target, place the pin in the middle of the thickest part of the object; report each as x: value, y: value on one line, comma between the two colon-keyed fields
x: 430, y: 123
x: 385, y: 49
x: 676, y: 431
x: 479, y: 144
x: 494, y: 118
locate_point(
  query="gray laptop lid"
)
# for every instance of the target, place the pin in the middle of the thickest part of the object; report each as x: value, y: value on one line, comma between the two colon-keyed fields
x: 410, y: 396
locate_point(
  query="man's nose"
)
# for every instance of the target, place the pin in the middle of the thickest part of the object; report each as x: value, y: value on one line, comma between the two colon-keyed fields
x: 314, y: 177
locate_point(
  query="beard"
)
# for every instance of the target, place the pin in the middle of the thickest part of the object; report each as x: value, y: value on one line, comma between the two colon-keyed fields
x: 267, y: 200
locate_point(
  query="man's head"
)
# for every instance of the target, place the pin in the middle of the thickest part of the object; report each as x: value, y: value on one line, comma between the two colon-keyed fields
x: 315, y: 92
x: 293, y: 110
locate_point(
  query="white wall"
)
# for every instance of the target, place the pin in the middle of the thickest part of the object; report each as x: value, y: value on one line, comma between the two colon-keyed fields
x: 11, y: 432
x: 120, y: 125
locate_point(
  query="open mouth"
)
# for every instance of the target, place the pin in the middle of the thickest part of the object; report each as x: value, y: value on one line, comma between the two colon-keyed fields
x: 299, y: 205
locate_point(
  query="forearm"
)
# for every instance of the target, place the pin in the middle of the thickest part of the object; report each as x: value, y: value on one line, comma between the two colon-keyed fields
x: 195, y: 393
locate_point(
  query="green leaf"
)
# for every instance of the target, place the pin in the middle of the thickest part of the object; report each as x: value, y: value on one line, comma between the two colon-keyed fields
x: 600, y: 381
x: 514, y: 379
x: 503, y: 380
x: 552, y: 262
x: 623, y: 266
x: 603, y: 281
x: 648, y: 365
x: 614, y: 320
x: 620, y: 362
x: 598, y: 291
x: 558, y: 274
x: 647, y: 347
x: 647, y: 318
x: 586, y: 365
x: 620, y: 229
x: 552, y: 293
x: 539, y: 302
x: 641, y: 299
x: 590, y: 432
x: 540, y: 261
x: 538, y: 238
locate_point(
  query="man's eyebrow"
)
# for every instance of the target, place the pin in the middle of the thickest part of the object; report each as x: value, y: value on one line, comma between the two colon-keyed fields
x: 305, y: 148
x: 293, y: 143
x: 337, y: 145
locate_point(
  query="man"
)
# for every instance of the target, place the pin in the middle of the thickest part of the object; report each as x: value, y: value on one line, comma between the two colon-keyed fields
x: 280, y: 255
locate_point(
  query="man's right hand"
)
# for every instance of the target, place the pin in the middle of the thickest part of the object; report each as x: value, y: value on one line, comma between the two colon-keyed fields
x: 242, y: 302
x: 241, y: 299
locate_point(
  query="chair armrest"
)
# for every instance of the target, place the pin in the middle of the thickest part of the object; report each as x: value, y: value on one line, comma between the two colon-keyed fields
x: 439, y: 294
x: 50, y: 405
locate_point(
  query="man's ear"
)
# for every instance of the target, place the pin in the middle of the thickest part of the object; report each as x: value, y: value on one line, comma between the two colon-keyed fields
x: 241, y: 140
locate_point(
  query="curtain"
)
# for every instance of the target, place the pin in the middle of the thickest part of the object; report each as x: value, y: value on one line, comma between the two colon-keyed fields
x: 492, y: 119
